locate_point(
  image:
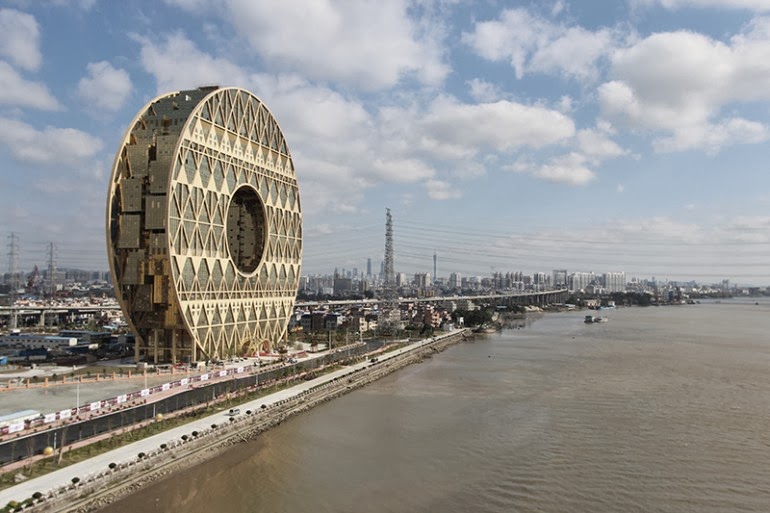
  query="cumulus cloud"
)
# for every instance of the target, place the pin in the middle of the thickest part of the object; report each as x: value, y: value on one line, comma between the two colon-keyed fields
x: 335, y: 188
x: 499, y: 126
x: 533, y: 44
x: 403, y: 170
x: 169, y: 62
x: 104, y: 86
x: 661, y: 229
x: 20, y: 39
x: 369, y: 44
x: 441, y: 190
x: 317, y: 116
x: 16, y: 91
x: 570, y: 169
x: 483, y: 91
x: 596, y: 144
x: 751, y: 5
x: 679, y: 83
x: 52, y: 145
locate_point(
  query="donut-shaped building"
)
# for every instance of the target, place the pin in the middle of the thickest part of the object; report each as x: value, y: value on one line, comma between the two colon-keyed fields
x: 204, y: 227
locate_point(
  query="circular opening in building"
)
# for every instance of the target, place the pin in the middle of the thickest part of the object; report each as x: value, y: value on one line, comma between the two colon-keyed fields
x: 246, y: 229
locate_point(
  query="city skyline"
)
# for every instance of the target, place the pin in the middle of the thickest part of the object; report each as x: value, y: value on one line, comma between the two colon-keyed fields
x: 504, y: 136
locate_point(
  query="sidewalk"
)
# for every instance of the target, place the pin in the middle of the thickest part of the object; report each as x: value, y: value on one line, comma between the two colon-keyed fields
x: 128, y: 453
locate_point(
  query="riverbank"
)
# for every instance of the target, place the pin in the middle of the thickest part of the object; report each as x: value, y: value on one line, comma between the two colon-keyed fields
x: 92, y: 484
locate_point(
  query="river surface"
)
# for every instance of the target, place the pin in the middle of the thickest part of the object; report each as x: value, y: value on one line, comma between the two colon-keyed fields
x: 661, y: 409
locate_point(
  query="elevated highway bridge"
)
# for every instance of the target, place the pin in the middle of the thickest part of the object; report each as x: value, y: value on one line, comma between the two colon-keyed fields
x: 498, y: 299
x: 60, y: 315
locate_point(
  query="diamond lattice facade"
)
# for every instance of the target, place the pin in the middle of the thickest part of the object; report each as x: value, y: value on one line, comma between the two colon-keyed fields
x: 204, y: 227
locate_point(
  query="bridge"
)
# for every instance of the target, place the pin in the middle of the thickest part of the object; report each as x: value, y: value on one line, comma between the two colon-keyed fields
x: 46, y: 315
x: 497, y: 299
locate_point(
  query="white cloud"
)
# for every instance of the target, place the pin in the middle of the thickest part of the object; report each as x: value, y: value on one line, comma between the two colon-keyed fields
x: 534, y: 44
x: 402, y: 170
x: 597, y: 145
x: 81, y: 4
x: 500, y: 126
x: 15, y: 90
x: 565, y: 104
x: 441, y: 190
x: 679, y: 83
x: 369, y: 44
x: 569, y: 169
x: 335, y: 188
x: 558, y: 8
x: 573, y: 53
x: 20, y: 39
x: 66, y: 147
x: 713, y: 137
x: 483, y: 91
x: 316, y: 116
x: 660, y: 229
x: 105, y: 87
x: 170, y: 63
x: 752, y: 5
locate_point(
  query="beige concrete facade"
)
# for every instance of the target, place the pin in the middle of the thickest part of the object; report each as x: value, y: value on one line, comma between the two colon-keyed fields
x: 204, y: 226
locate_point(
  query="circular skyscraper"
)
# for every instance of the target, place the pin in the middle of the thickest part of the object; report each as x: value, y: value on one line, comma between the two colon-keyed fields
x: 204, y: 227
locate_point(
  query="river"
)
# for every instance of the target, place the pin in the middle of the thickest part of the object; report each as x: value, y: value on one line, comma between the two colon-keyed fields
x: 661, y: 409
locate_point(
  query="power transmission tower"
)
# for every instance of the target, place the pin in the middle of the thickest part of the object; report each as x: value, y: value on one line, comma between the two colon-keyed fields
x: 389, y: 307
x: 13, y: 271
x: 389, y: 289
x: 52, y: 269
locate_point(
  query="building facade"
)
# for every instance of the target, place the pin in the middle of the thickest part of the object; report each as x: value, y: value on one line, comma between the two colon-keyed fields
x: 204, y: 226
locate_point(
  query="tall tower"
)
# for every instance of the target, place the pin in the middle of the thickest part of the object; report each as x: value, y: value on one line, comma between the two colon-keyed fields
x: 13, y: 272
x: 435, y: 276
x: 390, y: 273
x: 52, y: 269
x: 389, y: 315
x: 13, y: 260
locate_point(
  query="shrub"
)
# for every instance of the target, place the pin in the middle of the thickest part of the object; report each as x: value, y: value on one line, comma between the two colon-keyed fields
x: 112, y: 465
x: 37, y: 495
x: 213, y: 426
x: 185, y: 437
x: 248, y: 412
x: 75, y: 480
x: 195, y: 433
x: 141, y: 455
x: 163, y: 446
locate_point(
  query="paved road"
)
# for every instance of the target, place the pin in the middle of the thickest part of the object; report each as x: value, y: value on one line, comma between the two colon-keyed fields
x: 63, y: 477
x: 100, y: 463
x: 14, y: 448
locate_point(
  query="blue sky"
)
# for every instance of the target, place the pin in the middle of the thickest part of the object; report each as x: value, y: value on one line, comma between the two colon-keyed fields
x: 588, y: 136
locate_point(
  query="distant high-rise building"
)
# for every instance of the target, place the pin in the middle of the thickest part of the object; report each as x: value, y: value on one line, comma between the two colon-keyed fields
x: 559, y: 280
x: 455, y: 280
x: 435, y: 258
x: 580, y: 281
x: 368, y: 267
x: 422, y: 280
x: 615, y: 281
